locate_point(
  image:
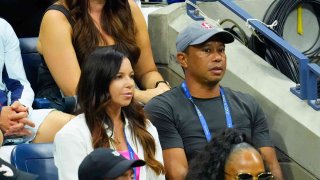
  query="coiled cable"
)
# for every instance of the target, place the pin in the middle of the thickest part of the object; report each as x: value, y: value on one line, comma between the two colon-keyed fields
x: 279, y: 10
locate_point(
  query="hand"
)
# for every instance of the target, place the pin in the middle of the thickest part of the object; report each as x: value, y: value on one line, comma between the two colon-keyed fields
x: 14, y: 118
x: 145, y: 96
x: 164, y: 87
x: 18, y: 107
x: 4, y: 118
x: 17, y: 126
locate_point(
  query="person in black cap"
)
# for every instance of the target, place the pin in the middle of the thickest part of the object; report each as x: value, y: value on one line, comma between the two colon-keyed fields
x: 187, y: 116
x: 9, y: 172
x: 105, y: 163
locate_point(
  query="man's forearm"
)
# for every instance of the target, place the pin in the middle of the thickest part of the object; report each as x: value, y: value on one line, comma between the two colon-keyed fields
x: 270, y: 157
x: 276, y: 170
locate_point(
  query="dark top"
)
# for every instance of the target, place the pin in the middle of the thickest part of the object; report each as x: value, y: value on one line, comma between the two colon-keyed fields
x: 47, y: 87
x: 178, y: 124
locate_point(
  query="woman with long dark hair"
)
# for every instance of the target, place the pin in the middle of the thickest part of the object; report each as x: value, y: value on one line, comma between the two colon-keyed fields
x: 228, y: 156
x: 72, y: 29
x: 110, y: 117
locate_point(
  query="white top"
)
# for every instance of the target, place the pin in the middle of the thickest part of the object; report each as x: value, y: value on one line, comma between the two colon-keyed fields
x: 74, y: 142
x: 18, y: 88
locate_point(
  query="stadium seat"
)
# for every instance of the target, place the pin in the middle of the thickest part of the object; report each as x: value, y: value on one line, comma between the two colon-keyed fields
x: 35, y: 159
x: 31, y: 60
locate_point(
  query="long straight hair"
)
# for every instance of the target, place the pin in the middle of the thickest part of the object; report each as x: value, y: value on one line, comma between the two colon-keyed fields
x: 116, y: 20
x: 97, y: 73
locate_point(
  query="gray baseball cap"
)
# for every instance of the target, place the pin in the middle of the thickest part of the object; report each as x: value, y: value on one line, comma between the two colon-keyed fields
x: 199, y: 32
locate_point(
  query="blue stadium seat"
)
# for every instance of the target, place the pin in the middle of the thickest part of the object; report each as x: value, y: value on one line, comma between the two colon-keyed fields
x: 36, y: 159
x: 31, y: 60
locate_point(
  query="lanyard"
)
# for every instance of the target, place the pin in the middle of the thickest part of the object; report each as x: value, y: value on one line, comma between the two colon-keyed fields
x: 201, y: 117
x: 131, y: 153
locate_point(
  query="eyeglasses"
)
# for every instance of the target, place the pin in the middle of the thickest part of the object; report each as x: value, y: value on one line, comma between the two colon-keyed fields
x: 248, y: 176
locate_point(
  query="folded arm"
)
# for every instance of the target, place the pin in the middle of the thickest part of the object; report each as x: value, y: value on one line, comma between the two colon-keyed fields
x: 145, y: 70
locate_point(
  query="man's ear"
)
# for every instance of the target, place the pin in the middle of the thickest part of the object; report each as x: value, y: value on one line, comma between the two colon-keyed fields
x: 182, y: 59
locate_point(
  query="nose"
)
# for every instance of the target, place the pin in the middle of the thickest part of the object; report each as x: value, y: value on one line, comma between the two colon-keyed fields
x: 130, y: 82
x: 216, y: 56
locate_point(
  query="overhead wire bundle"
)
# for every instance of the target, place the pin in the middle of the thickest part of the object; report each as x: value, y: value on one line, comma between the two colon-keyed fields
x: 236, y: 30
x: 279, y: 10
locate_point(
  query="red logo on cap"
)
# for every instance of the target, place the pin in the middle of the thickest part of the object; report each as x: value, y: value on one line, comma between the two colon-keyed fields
x: 206, y: 25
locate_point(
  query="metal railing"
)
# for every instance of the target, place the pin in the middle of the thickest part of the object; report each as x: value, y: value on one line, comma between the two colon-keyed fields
x: 308, y: 72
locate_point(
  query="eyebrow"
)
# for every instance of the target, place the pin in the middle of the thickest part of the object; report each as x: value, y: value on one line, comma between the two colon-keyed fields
x: 131, y: 72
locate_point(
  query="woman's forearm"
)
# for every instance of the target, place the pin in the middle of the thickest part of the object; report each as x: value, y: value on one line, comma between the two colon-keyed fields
x: 149, y: 80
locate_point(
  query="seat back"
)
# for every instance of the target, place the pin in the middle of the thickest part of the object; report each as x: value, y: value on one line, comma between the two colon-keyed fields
x: 36, y: 159
x: 31, y: 60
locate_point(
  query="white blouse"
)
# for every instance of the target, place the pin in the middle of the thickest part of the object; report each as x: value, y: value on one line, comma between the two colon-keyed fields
x: 74, y: 142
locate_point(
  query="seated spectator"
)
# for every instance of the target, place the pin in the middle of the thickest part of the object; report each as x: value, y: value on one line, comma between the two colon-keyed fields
x: 17, y: 118
x: 188, y: 116
x: 9, y: 172
x: 107, y: 164
x: 72, y: 29
x: 228, y: 156
x: 110, y: 117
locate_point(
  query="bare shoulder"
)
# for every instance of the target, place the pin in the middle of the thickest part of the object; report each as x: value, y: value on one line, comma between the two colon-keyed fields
x: 55, y: 17
x: 54, y: 24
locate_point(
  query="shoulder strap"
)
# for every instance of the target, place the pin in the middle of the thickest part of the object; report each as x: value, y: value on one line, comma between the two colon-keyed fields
x: 65, y: 11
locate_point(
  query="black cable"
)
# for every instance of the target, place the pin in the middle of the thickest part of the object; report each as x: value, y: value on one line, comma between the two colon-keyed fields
x: 279, y: 10
x: 236, y: 30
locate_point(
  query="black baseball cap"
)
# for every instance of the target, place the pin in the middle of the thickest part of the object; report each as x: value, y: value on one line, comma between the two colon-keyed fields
x: 9, y: 172
x: 105, y: 163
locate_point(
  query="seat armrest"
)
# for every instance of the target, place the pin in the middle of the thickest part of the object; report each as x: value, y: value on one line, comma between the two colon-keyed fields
x: 41, y: 103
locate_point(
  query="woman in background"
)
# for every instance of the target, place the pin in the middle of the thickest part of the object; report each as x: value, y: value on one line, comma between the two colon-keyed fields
x: 228, y: 156
x: 72, y: 29
x: 110, y: 118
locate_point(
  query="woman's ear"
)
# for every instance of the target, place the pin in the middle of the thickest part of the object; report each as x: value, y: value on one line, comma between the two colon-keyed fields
x: 182, y: 58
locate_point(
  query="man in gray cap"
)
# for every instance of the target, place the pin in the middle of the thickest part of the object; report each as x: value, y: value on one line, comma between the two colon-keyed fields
x: 188, y: 116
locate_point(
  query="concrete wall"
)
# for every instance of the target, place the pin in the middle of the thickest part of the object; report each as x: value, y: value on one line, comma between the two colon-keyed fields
x: 295, y: 127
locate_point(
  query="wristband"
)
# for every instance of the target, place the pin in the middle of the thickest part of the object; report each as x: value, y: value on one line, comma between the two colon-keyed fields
x: 158, y: 82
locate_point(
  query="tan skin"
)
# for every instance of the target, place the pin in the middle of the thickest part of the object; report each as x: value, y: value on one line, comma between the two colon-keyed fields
x: 121, y: 90
x: 1, y: 138
x: 244, y: 161
x: 55, y: 44
x: 204, y: 67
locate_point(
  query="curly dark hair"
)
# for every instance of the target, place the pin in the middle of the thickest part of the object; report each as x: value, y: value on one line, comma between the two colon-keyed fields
x: 210, y: 162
